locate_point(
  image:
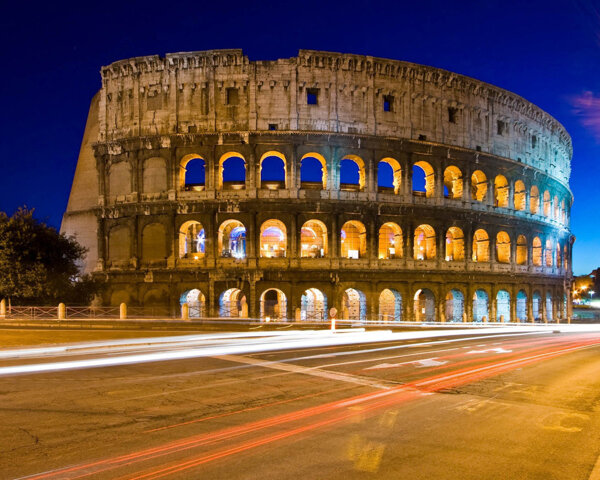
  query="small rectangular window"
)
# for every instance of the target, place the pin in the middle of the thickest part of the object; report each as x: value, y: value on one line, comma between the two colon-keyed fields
x: 501, y: 127
x: 272, y: 126
x: 478, y: 148
x: 232, y: 97
x: 423, y: 138
x: 452, y: 113
x: 388, y: 103
x: 312, y: 96
x: 533, y: 141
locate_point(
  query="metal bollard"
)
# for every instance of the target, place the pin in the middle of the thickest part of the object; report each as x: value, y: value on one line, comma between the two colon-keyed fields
x: 62, y: 311
x: 3, y: 308
x: 123, y: 311
x: 185, y: 311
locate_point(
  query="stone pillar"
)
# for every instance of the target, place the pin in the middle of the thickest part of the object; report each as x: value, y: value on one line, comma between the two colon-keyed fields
x: 334, y: 236
x: 253, y: 303
x: 513, y: 304
x: 469, y: 303
x: 493, y: 306
x: 293, y: 235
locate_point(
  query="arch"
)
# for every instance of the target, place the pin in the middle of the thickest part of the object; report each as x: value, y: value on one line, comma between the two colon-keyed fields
x: 549, y: 309
x: 154, y: 175
x: 453, y: 182
x: 481, y: 246
x: 534, y: 200
x: 313, y: 171
x: 352, y: 173
x: 563, y: 212
x: 273, y: 239
x: 501, y: 191
x: 455, y: 306
x: 566, y: 258
x: 232, y: 239
x: 549, y: 253
x: 196, y: 302
x: 520, y: 196
x: 547, y: 202
x: 192, y: 240
x: 522, y: 306
x: 390, y: 306
x: 232, y: 304
x: 502, y: 247
x: 192, y: 173
x: 354, y: 305
x: 232, y: 171
x: 556, y: 215
x: 154, y: 243
x: 478, y: 186
x: 389, y: 177
x: 119, y: 244
x: 119, y: 179
x: 536, y: 306
x: 424, y: 243
x: 313, y: 305
x: 455, y: 245
x: 558, y: 256
x: 481, y: 306
x: 313, y: 239
x: 521, y: 250
x: 423, y: 179
x: 273, y: 305
x: 424, y: 305
x: 353, y: 239
x: 390, y: 241
x: 273, y: 166
x: 503, y: 306
x: 536, y: 252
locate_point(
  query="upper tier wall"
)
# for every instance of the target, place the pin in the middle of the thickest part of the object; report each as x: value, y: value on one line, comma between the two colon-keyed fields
x: 221, y: 90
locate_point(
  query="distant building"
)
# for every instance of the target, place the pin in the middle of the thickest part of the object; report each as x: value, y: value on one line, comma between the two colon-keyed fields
x: 283, y: 188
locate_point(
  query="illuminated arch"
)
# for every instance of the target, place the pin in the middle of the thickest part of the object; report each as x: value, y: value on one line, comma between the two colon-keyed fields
x: 521, y: 306
x: 353, y: 239
x: 556, y: 208
x: 481, y: 306
x: 306, y: 181
x: 232, y: 304
x: 503, y: 306
x: 547, y: 204
x: 455, y: 245
x: 192, y: 172
x: 273, y: 305
x: 354, y: 305
x: 521, y: 250
x: 536, y: 305
x: 422, y: 172
x: 549, y: 253
x: 520, y: 196
x: 227, y: 178
x: 453, y: 182
x: 313, y: 239
x: 273, y: 167
x: 390, y: 306
x: 232, y: 239
x: 534, y: 200
x: 313, y: 306
x: 396, y: 173
x: 196, y: 302
x: 455, y: 306
x: 424, y: 305
x: 481, y: 246
x: 479, y: 186
x: 549, y: 309
x: 502, y: 247
x: 192, y: 238
x: 558, y: 256
x: 390, y: 241
x: 501, y: 191
x: 273, y: 239
x: 345, y: 170
x: 536, y: 252
x: 424, y: 243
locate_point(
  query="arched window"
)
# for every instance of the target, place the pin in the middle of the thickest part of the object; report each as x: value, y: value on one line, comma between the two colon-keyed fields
x: 192, y: 173
x: 154, y: 178
x: 232, y: 168
x: 353, y: 240
x: 313, y: 239
x: 313, y: 306
x: 520, y: 195
x: 424, y: 243
x: 192, y: 240
x: 455, y: 245
x: 354, y: 305
x: 547, y: 204
x: 522, y: 306
x: 549, y: 253
x: 390, y: 241
x: 563, y: 212
x: 273, y: 239
x: 196, y: 302
x: 478, y: 186
x: 453, y: 182
x: 481, y: 306
x: 455, y: 306
x: 521, y: 250
x: 556, y: 209
x: 423, y: 180
x: 232, y: 239
x: 502, y: 247
x: 272, y: 171
x: 390, y: 306
x: 501, y: 191
x: 558, y: 257
x: 424, y: 305
x: 503, y: 306
x: 481, y: 246
x: 232, y: 304
x: 273, y: 305
x: 534, y: 200
x: 549, y: 307
x: 389, y: 175
x: 313, y: 172
x: 352, y: 173
x: 566, y: 258
x: 536, y: 252
x: 536, y: 305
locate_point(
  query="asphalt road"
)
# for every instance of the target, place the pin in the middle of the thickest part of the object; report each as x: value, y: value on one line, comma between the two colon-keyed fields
x: 305, y: 405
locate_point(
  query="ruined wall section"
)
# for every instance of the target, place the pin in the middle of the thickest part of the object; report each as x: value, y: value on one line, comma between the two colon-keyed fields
x: 222, y: 91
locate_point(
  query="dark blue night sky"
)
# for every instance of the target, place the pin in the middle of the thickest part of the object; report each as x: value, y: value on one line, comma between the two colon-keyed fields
x: 546, y: 51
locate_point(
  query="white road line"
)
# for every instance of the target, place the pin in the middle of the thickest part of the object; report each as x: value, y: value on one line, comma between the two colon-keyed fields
x: 315, y: 372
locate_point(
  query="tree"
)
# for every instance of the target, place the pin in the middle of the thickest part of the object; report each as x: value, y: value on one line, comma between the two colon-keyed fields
x: 38, y: 265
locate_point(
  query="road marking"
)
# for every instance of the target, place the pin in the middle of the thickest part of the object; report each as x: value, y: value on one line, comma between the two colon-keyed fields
x: 595, y: 475
x: 429, y: 362
x: 315, y: 372
x: 497, y: 350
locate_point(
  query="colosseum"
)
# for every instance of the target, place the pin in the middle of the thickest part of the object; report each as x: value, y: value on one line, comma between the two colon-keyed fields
x: 282, y: 189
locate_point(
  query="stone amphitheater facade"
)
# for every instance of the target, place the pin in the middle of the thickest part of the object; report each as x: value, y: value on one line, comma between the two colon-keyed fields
x: 483, y: 234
